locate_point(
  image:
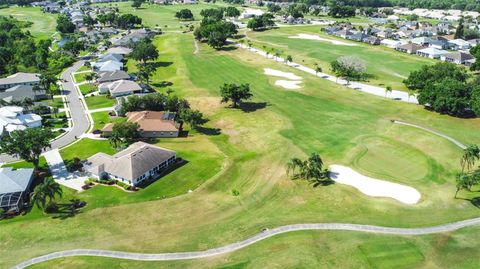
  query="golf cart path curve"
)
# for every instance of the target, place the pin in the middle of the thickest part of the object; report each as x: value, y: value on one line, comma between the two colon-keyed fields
x: 249, y: 241
x: 453, y: 140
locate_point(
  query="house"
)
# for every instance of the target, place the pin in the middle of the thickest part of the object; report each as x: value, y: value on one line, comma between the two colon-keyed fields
x: 120, y: 88
x: 392, y: 43
x: 21, y: 92
x: 345, y: 33
x: 251, y: 12
x: 422, y: 41
x: 439, y: 44
x: 30, y: 79
x: 372, y: 40
x: 459, y: 44
x: 360, y: 37
x: 474, y: 42
x: 152, y: 124
x: 15, y: 186
x: 107, y: 66
x: 432, y: 53
x: 457, y: 57
x: 120, y: 50
x: 139, y: 162
x: 110, y: 57
x: 12, y: 118
x: 409, y: 48
x: 112, y: 76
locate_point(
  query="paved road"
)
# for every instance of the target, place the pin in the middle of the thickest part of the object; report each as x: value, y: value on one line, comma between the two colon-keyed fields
x: 378, y: 91
x: 258, y: 237
x: 453, y: 140
x: 77, y: 113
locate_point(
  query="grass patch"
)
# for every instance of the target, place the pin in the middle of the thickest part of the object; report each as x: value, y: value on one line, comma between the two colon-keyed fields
x: 85, y: 148
x: 44, y: 24
x: 102, y: 118
x: 81, y: 77
x: 99, y: 101
x: 87, y: 88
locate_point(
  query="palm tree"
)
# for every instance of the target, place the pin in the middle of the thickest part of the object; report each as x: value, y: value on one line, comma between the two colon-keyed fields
x: 288, y: 59
x: 277, y: 54
x: 293, y: 165
x: 249, y: 44
x: 318, y: 69
x: 114, y: 139
x: 310, y: 169
x: 267, y: 53
x: 470, y: 155
x: 44, y: 193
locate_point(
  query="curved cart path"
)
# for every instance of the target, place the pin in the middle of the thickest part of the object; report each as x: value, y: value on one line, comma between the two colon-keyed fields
x: 249, y: 241
x: 453, y: 140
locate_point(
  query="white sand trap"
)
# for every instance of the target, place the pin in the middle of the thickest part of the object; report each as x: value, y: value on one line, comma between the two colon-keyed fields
x: 374, y: 187
x: 289, y: 84
x: 278, y: 73
x: 316, y: 37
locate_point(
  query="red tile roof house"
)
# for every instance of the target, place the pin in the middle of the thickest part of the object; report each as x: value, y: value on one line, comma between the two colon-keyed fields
x: 152, y: 124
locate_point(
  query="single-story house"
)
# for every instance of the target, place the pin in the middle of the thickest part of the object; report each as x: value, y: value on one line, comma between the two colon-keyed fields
x: 432, y: 53
x: 21, y: 92
x: 107, y: 66
x: 110, y: 57
x: 112, y: 76
x: 439, y: 44
x: 14, y: 188
x: 360, y: 37
x: 345, y: 33
x: 474, y: 42
x: 422, y: 41
x: 372, y: 40
x: 120, y: 50
x: 459, y: 44
x: 120, y: 88
x: 410, y: 48
x: 251, y: 12
x: 12, y: 118
x: 457, y: 57
x: 152, y: 124
x: 138, y: 162
x: 29, y: 79
x: 392, y: 43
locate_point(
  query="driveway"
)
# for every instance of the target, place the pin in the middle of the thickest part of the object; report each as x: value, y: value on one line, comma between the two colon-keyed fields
x: 80, y: 122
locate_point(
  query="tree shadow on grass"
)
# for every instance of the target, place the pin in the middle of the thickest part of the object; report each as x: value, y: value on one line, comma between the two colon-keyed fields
x: 323, y: 183
x: 475, y: 202
x: 227, y: 48
x: 252, y: 106
x: 68, y: 210
x: 163, y: 84
x: 208, y: 131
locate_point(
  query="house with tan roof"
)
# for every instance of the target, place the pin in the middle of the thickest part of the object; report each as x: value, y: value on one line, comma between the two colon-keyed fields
x: 152, y: 124
x: 139, y: 162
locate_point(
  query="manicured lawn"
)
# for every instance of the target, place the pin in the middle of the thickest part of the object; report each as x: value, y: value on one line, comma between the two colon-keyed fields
x: 24, y: 164
x: 84, y: 68
x: 43, y: 23
x: 99, y: 101
x: 249, y: 155
x: 102, y: 118
x: 80, y: 77
x: 87, y: 88
x: 388, y: 67
x: 85, y: 148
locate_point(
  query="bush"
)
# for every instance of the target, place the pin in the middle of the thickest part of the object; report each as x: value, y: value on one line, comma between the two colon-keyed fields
x: 235, y: 192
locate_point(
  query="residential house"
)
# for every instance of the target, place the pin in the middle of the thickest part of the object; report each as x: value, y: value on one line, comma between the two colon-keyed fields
x: 120, y: 50
x: 392, y: 43
x: 120, y: 88
x: 457, y: 57
x: 360, y: 37
x: 12, y: 118
x: 372, y: 40
x: 21, y: 92
x: 459, y: 44
x: 410, y: 48
x: 139, y: 162
x: 344, y: 33
x: 432, y: 53
x: 15, y: 185
x: 112, y: 76
x: 439, y: 44
x: 29, y: 79
x: 110, y: 57
x: 474, y: 42
x: 152, y: 124
x: 251, y: 12
x: 107, y: 66
x: 422, y: 41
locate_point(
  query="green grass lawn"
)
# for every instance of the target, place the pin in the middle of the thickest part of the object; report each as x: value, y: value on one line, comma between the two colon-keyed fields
x: 388, y: 66
x: 163, y: 16
x: 99, y: 101
x: 87, y: 88
x: 247, y: 152
x: 43, y: 23
x: 80, y: 77
x: 102, y: 118
x: 84, y: 68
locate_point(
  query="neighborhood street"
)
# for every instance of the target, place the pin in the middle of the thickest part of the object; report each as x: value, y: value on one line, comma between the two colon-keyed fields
x: 80, y: 122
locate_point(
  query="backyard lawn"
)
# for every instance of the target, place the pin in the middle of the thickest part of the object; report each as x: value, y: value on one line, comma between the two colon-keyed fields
x: 388, y: 66
x: 99, y: 101
x: 102, y: 118
x: 43, y: 23
x: 244, y: 151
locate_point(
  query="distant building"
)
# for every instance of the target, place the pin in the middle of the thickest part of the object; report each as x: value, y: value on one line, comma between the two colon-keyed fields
x: 432, y: 53
x: 120, y: 88
x: 139, y: 162
x: 152, y: 124
x: 457, y: 57
x: 112, y: 76
x: 12, y: 119
x: 21, y: 92
x: 410, y: 48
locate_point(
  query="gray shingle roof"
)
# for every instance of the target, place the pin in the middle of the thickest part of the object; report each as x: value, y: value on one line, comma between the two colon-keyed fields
x: 14, y: 180
x: 20, y: 92
x: 112, y: 76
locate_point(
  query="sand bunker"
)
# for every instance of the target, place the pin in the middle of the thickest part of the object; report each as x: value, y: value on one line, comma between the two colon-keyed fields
x: 374, y: 187
x: 278, y: 73
x: 288, y: 84
x: 316, y: 37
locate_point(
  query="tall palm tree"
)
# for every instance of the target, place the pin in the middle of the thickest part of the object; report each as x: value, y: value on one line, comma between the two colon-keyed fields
x: 44, y: 193
x: 293, y: 165
x: 470, y: 155
x: 114, y: 139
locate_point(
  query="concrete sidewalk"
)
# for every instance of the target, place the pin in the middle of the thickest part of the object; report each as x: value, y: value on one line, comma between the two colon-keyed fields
x: 60, y: 173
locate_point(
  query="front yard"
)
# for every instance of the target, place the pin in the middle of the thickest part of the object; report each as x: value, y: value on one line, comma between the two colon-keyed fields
x: 99, y: 101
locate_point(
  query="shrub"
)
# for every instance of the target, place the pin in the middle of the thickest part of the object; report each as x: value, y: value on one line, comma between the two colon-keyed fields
x: 235, y: 192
